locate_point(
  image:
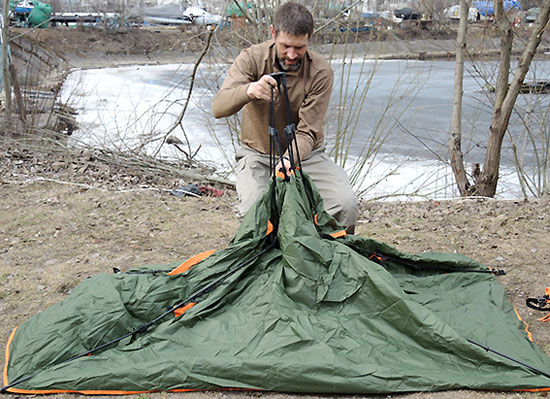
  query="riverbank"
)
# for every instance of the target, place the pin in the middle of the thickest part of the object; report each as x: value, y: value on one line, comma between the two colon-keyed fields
x: 63, y: 47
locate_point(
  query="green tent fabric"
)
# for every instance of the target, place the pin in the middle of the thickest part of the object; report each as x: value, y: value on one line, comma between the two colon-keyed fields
x: 313, y: 314
x: 39, y: 14
x: 234, y: 10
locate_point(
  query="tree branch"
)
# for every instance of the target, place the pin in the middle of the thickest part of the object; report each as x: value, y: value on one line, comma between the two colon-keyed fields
x: 501, y: 118
x: 189, y: 92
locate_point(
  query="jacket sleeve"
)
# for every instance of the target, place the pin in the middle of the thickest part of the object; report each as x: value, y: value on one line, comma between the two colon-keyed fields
x: 232, y: 95
x: 309, y: 130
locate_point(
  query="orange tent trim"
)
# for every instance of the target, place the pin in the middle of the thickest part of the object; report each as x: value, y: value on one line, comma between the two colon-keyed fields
x: 191, y: 262
x: 107, y: 392
x: 7, y: 357
x: 529, y: 335
x: 338, y: 234
x: 269, y: 228
x: 179, y: 311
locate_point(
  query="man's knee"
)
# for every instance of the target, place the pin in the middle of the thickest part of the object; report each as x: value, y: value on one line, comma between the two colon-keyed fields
x: 251, y: 180
x: 349, y: 212
x: 344, y: 208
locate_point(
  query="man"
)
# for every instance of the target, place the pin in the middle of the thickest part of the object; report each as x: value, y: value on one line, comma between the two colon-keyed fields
x: 309, y: 80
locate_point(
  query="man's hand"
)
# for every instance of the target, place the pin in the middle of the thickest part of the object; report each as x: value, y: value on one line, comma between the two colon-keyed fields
x: 279, y: 166
x: 261, y: 90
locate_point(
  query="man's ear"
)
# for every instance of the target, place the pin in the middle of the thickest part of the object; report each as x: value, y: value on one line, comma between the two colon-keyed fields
x: 273, y: 35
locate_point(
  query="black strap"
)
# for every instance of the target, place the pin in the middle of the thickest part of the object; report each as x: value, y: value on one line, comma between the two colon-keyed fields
x: 116, y: 270
x: 290, y: 128
x: 274, y: 133
x: 542, y: 303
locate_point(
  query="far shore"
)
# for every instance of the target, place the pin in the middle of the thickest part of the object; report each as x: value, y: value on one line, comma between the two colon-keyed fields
x: 411, y: 50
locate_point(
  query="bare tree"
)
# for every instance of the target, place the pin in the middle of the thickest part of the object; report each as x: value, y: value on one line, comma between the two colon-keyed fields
x: 109, y: 7
x: 5, y: 64
x: 506, y: 96
x: 455, y: 141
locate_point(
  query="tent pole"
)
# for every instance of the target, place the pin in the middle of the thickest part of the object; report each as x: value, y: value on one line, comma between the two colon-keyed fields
x: 541, y: 372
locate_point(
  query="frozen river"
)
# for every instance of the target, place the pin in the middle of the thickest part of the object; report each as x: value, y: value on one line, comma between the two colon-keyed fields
x: 395, y: 114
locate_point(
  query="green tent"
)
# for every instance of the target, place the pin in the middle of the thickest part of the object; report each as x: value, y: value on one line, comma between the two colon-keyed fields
x: 234, y: 10
x: 37, y: 16
x: 291, y: 305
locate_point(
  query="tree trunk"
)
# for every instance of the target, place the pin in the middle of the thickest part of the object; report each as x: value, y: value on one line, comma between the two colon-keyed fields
x: 504, y: 27
x: 455, y: 141
x: 17, y: 94
x: 5, y: 64
x: 506, y: 99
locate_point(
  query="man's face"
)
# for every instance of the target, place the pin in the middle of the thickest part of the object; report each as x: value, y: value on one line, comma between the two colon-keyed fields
x: 290, y: 49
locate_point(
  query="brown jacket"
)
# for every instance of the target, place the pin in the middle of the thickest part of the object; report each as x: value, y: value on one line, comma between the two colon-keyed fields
x: 309, y: 90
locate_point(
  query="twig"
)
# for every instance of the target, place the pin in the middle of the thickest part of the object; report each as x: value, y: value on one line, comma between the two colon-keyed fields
x: 38, y: 179
x: 404, y: 129
x: 31, y: 30
x: 41, y: 179
x: 245, y: 13
x: 84, y: 154
x: 148, y: 163
x: 337, y: 16
x: 189, y: 92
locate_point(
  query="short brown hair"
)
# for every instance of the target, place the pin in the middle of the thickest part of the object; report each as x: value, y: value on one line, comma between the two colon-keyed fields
x: 294, y: 19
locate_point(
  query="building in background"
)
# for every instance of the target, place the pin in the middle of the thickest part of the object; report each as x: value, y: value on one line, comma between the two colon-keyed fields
x: 113, y: 5
x: 319, y: 8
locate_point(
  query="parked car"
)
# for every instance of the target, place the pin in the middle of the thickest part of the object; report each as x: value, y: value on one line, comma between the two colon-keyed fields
x: 165, y: 14
x: 406, y: 13
x: 200, y: 16
x: 532, y: 14
x: 453, y: 13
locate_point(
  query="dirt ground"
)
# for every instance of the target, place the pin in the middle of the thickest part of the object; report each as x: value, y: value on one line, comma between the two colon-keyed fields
x: 65, y: 217
x: 61, y: 223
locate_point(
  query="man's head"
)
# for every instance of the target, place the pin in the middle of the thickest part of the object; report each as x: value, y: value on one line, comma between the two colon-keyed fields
x: 292, y: 28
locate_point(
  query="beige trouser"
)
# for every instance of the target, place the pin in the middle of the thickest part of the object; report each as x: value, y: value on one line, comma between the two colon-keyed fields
x: 339, y: 199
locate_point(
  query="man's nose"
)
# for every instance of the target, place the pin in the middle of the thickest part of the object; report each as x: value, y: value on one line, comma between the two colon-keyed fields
x: 291, y: 53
